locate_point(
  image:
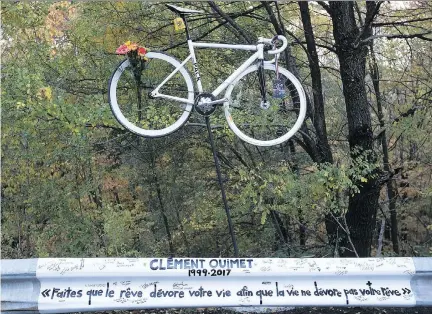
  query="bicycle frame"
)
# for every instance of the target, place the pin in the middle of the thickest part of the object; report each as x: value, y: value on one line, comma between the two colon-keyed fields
x: 258, y: 55
x: 205, y: 103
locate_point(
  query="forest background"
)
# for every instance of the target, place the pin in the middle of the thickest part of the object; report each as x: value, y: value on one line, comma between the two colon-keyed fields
x: 355, y: 181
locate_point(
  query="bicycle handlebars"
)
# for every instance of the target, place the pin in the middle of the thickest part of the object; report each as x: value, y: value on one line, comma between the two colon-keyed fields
x: 272, y: 40
x: 284, y: 44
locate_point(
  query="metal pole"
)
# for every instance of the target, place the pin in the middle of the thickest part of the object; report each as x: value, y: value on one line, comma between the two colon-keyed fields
x: 218, y: 172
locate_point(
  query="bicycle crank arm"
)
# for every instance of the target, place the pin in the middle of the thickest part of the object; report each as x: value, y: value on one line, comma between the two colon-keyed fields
x: 217, y: 102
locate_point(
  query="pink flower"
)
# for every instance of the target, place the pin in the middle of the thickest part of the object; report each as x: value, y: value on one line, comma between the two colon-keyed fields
x: 122, y: 50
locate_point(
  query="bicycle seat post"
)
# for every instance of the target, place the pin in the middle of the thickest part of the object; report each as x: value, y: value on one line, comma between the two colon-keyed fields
x: 183, y: 16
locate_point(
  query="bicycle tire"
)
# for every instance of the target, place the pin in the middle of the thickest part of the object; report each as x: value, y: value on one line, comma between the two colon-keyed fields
x: 153, y: 116
x: 239, y: 108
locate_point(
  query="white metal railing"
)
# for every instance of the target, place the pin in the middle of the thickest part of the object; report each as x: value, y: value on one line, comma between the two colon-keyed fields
x: 62, y: 285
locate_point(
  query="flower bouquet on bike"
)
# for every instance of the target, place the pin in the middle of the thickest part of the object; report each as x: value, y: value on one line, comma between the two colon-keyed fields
x: 136, y: 56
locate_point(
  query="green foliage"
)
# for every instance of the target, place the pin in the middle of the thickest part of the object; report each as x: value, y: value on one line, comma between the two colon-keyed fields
x: 74, y: 183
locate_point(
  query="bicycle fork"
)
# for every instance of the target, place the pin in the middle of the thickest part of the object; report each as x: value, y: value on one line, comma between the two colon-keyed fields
x: 264, y: 104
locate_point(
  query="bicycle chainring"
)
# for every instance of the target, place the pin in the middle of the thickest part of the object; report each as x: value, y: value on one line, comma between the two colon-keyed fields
x: 202, y: 105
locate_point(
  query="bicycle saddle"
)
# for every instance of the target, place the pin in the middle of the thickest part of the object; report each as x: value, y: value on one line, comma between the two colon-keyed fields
x: 179, y: 10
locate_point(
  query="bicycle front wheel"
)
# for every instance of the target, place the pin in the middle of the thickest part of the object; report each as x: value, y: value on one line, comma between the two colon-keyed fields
x: 270, y: 122
x: 130, y: 101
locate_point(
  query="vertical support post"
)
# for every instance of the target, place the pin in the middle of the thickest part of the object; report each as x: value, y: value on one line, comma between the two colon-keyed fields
x: 219, y: 176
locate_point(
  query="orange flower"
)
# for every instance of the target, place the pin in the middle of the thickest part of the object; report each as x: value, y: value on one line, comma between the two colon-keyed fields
x: 122, y: 50
x: 142, y: 51
x: 131, y: 46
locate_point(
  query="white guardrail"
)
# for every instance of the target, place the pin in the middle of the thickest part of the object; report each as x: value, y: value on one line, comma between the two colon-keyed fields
x: 62, y: 285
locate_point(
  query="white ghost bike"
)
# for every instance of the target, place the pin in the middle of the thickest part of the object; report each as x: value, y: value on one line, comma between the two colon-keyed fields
x: 264, y: 104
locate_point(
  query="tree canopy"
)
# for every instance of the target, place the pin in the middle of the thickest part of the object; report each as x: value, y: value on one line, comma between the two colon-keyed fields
x: 354, y: 181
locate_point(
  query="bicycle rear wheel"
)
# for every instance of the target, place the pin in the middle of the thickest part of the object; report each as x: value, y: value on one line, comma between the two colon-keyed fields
x: 129, y: 90
x: 270, y: 124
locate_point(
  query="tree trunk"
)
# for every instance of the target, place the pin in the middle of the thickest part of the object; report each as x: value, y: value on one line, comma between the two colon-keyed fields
x: 160, y: 200
x: 164, y: 216
x: 281, y: 233
x: 318, y: 118
x: 352, y: 53
x: 391, y: 189
x: 295, y: 169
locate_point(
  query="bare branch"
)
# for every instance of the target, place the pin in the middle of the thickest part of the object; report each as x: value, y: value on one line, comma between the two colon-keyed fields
x: 389, y: 36
x: 403, y: 23
x: 230, y: 21
x: 372, y: 11
x: 325, y: 6
x: 347, y: 231
x: 408, y: 113
x: 104, y: 126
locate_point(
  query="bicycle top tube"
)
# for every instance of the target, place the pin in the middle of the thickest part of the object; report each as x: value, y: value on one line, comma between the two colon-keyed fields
x: 225, y: 46
x: 261, y: 40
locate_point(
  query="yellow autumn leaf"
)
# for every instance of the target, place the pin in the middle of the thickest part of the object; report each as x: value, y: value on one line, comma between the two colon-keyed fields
x: 45, y: 93
x: 48, y: 93
x: 20, y: 105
